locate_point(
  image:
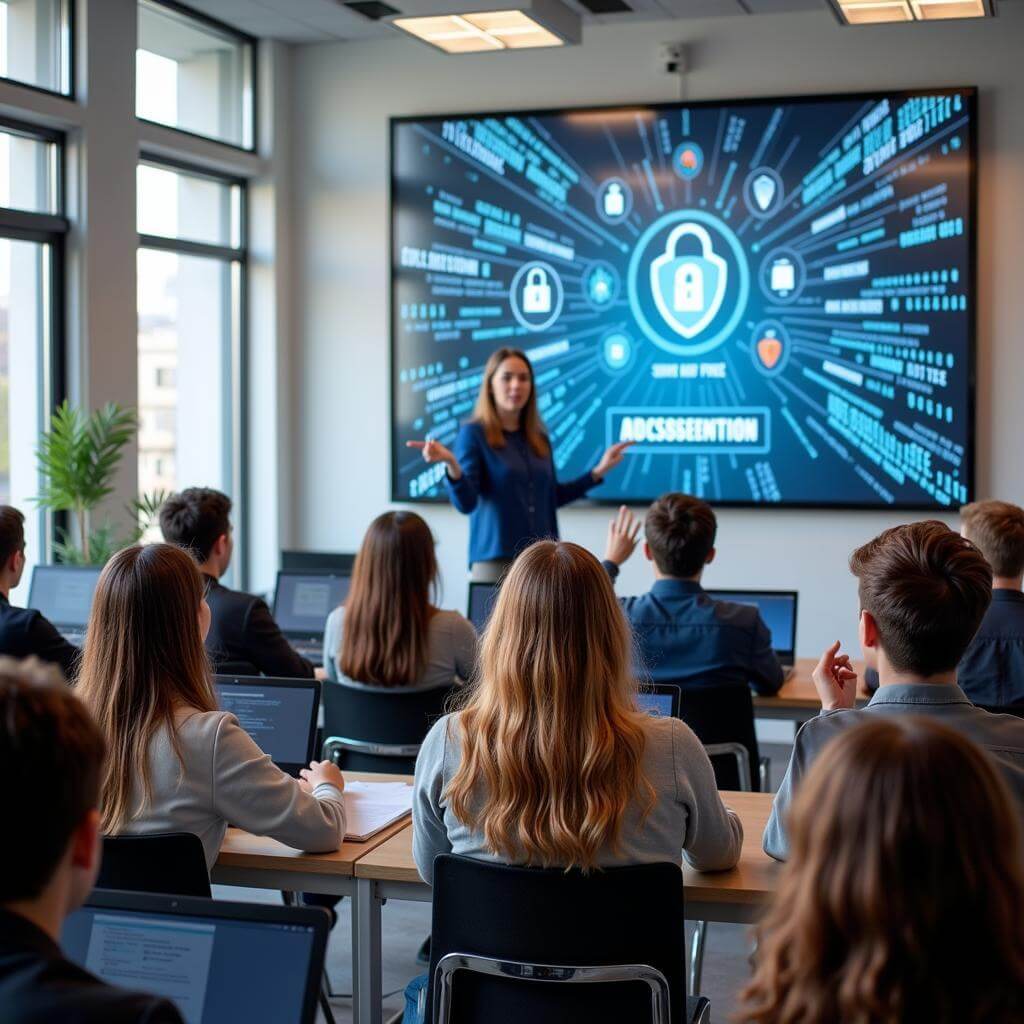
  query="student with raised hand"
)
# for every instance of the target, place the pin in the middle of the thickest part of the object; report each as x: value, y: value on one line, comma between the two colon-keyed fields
x: 243, y: 637
x: 388, y: 632
x: 25, y: 632
x: 500, y: 471
x: 177, y: 763
x: 683, y: 635
x: 902, y: 835
x: 923, y: 592
x: 51, y: 756
x: 503, y: 779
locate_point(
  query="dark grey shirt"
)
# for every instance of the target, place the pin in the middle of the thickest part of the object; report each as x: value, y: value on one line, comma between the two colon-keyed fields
x: 1001, y: 735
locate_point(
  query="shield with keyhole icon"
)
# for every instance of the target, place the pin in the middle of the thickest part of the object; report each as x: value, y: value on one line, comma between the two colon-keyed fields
x: 688, y: 286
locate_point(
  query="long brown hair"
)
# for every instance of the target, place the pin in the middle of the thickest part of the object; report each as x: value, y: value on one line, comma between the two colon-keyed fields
x: 551, y: 738
x: 486, y: 414
x: 902, y: 835
x: 388, y: 611
x: 144, y: 658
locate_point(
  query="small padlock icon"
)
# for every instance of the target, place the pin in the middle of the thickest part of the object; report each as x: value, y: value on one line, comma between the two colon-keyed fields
x: 688, y: 293
x: 688, y: 287
x: 614, y: 200
x: 537, y: 293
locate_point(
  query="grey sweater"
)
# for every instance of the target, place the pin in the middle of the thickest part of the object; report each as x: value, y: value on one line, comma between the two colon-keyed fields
x: 688, y: 815
x: 225, y: 779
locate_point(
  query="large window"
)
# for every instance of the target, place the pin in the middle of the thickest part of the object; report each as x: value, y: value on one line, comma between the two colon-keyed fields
x: 31, y: 256
x: 35, y: 43
x: 194, y: 74
x: 191, y: 275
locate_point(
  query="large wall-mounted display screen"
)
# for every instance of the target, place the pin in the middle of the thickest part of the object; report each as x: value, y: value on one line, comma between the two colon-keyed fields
x: 774, y: 299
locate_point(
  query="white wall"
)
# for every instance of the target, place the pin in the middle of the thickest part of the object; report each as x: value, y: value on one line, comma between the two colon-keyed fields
x: 342, y: 97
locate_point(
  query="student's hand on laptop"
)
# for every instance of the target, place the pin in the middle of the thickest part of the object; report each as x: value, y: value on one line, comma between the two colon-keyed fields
x: 320, y: 772
x: 835, y: 680
x: 623, y: 532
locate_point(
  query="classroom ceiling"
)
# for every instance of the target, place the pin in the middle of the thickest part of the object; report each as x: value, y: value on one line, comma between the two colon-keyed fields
x: 317, y: 21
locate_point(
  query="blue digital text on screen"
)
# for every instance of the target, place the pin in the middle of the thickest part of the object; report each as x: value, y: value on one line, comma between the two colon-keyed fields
x: 771, y: 299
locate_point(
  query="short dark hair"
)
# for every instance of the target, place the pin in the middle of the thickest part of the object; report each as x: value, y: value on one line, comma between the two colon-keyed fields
x: 997, y: 528
x: 49, y: 745
x: 927, y: 588
x: 680, y: 531
x: 195, y: 518
x: 12, y: 532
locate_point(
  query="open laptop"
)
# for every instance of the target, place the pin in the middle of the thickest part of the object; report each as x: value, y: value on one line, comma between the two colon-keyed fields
x: 279, y: 714
x: 319, y: 561
x: 481, y: 600
x: 778, y: 611
x: 302, y: 602
x: 216, y: 961
x: 63, y: 593
x: 660, y: 699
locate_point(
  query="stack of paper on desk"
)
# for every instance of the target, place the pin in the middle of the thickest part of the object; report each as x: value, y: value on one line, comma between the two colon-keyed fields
x: 371, y: 806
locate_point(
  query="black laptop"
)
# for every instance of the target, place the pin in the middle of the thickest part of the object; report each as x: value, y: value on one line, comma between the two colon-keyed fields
x: 216, y: 961
x: 63, y: 593
x: 279, y: 714
x: 480, y: 603
x: 660, y: 699
x: 302, y: 602
x: 778, y: 612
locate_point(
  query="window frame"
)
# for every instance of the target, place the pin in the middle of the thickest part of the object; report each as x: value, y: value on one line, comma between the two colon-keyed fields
x: 232, y: 257
x: 240, y: 37
x: 68, y: 37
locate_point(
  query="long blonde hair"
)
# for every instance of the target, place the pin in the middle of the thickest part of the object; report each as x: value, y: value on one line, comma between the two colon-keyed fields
x: 486, y: 414
x: 144, y: 658
x: 388, y: 610
x: 551, y: 737
x: 901, y: 833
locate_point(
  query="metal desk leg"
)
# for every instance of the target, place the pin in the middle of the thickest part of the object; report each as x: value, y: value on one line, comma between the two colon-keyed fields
x: 367, y: 991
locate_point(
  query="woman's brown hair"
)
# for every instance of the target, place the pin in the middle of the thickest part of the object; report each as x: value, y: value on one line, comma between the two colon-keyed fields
x: 143, y: 660
x: 385, y: 640
x: 550, y: 735
x: 486, y: 414
x: 903, y: 836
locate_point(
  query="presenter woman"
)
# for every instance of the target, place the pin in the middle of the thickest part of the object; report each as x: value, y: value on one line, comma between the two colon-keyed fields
x: 500, y: 472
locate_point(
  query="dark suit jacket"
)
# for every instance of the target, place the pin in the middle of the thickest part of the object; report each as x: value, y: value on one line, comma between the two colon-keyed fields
x: 245, y: 639
x: 24, y: 631
x: 39, y: 986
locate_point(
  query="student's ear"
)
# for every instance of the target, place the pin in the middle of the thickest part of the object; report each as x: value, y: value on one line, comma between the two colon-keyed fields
x: 647, y: 552
x: 711, y: 556
x: 86, y: 853
x: 868, y: 631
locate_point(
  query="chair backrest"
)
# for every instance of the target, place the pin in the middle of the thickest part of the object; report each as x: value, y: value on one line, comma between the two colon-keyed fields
x: 630, y: 915
x: 723, y: 714
x: 172, y: 863
x: 379, y: 728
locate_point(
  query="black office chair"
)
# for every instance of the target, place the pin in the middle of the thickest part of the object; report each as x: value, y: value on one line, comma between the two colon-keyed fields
x: 379, y: 728
x: 170, y: 863
x: 724, y: 715
x: 523, y: 944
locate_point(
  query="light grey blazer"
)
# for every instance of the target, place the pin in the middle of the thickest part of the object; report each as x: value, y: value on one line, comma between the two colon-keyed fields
x: 225, y: 779
x: 451, y: 653
x: 688, y: 817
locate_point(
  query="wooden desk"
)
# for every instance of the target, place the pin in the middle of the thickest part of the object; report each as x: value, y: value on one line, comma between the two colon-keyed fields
x: 798, y: 700
x: 388, y: 872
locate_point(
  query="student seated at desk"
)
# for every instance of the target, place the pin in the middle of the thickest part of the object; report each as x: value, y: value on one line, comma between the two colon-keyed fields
x: 243, y: 637
x: 923, y: 591
x: 682, y: 634
x: 51, y: 754
x: 177, y: 763
x: 23, y: 631
x: 388, y: 633
x: 903, y: 836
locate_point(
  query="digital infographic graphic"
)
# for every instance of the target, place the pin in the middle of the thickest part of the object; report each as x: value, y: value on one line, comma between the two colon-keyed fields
x: 772, y: 299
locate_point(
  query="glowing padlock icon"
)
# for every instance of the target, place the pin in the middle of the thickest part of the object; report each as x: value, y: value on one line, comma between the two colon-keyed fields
x: 783, y: 276
x: 688, y: 293
x: 763, y: 188
x: 537, y: 293
x: 614, y: 200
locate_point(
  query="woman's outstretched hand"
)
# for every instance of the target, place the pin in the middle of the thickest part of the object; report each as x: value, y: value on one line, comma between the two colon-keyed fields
x: 613, y: 455
x: 434, y: 451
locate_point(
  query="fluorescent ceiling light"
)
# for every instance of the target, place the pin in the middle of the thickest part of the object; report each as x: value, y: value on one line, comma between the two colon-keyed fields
x: 874, y: 12
x: 521, y: 25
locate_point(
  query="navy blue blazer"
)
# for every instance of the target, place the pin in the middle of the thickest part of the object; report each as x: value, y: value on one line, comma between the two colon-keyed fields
x: 25, y: 632
x: 510, y: 494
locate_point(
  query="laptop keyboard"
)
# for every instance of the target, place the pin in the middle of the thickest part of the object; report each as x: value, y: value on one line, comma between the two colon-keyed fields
x: 76, y: 637
x: 311, y: 651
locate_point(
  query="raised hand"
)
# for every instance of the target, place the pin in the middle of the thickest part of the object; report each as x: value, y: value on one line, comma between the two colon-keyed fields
x: 835, y: 680
x: 434, y: 451
x: 613, y: 455
x: 623, y: 532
